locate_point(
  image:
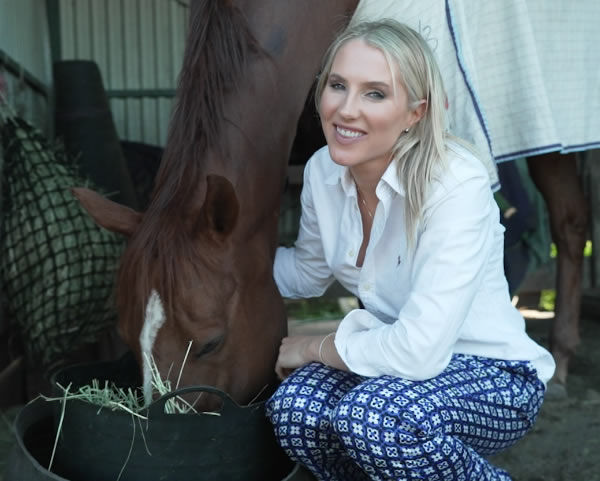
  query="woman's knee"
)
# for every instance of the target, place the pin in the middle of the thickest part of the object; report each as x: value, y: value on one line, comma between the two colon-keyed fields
x: 308, y: 395
x: 386, y: 411
x: 289, y: 396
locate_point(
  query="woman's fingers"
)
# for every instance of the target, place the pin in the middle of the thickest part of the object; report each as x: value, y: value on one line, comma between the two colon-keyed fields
x: 294, y: 352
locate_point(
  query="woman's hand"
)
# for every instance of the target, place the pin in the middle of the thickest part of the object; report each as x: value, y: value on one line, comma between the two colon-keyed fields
x: 296, y: 351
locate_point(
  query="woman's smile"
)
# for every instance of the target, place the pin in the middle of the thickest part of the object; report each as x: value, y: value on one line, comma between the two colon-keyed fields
x: 348, y: 135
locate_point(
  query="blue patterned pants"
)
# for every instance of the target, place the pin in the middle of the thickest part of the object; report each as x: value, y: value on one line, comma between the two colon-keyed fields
x: 345, y: 427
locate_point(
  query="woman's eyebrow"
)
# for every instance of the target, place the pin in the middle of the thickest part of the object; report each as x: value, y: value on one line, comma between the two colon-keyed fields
x: 369, y: 84
x: 375, y: 84
x: 336, y: 77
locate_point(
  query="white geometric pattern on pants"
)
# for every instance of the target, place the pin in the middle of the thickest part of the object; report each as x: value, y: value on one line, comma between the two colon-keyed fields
x: 346, y: 427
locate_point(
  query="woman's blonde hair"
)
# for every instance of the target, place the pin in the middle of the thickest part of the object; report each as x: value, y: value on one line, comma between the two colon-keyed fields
x: 421, y: 150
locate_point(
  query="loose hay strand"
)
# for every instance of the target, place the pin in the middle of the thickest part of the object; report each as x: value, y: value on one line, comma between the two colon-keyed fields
x: 183, y: 364
x: 130, y: 450
x: 59, y: 428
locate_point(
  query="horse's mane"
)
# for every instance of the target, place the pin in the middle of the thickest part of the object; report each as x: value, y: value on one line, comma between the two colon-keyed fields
x: 218, y: 46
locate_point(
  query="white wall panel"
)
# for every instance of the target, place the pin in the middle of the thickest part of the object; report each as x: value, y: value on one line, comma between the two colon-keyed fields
x: 24, y: 35
x: 138, y: 46
x: 25, y: 58
x: 113, y: 32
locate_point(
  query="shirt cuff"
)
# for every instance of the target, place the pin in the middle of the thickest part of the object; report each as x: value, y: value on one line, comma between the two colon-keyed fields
x: 357, y: 336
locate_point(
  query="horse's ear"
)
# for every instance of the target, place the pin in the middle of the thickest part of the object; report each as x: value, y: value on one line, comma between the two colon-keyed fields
x: 221, y: 208
x: 106, y: 213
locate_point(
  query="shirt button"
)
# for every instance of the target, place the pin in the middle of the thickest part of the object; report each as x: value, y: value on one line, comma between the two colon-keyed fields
x: 367, y: 286
x: 351, y: 253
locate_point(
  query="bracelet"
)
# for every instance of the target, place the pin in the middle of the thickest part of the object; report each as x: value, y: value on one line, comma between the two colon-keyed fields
x: 321, y: 348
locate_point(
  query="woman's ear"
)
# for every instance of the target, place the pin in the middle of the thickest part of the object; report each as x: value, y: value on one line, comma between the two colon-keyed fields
x: 419, y: 111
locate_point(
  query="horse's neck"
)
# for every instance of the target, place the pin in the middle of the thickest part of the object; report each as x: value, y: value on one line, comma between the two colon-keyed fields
x: 295, y: 35
x: 252, y: 145
x: 263, y: 117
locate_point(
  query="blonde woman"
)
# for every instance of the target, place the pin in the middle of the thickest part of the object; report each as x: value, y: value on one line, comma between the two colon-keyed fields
x: 436, y: 370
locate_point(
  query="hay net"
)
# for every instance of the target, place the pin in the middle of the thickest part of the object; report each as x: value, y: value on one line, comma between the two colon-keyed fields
x: 57, y: 267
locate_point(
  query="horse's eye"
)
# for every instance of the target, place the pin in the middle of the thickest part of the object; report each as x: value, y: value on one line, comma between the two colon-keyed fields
x: 209, y: 346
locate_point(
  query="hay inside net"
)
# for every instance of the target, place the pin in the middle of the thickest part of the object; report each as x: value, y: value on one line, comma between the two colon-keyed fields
x: 58, y: 267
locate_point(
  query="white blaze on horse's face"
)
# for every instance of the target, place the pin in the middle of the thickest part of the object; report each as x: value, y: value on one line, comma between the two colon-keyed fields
x: 153, y: 321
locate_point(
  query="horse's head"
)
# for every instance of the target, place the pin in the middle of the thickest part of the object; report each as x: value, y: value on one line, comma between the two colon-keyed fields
x: 200, y: 286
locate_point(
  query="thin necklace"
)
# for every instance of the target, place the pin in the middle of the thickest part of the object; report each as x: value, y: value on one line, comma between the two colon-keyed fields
x: 362, y: 200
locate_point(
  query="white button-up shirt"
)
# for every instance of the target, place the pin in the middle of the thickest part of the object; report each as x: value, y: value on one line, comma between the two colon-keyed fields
x: 447, y: 294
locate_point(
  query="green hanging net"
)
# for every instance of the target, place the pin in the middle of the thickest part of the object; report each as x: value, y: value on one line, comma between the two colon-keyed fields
x: 58, y: 267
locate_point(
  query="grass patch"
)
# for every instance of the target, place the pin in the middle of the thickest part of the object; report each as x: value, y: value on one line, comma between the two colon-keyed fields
x: 587, y: 250
x: 313, y: 309
x: 547, y: 300
x: 548, y: 296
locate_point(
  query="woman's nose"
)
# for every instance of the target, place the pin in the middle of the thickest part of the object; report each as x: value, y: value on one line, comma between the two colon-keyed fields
x: 349, y: 107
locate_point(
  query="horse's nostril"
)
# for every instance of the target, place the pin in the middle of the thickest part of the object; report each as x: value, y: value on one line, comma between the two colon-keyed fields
x: 209, y: 346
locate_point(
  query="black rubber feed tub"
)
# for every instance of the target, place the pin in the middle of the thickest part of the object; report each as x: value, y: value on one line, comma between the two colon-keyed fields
x: 34, y: 431
x: 101, y: 445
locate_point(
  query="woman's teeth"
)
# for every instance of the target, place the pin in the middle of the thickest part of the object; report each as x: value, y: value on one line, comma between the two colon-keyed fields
x: 348, y: 133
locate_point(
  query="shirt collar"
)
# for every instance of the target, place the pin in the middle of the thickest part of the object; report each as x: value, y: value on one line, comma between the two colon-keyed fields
x: 342, y: 175
x: 390, y: 177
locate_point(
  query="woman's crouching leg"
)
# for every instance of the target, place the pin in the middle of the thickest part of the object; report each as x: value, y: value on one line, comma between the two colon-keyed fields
x: 301, y: 410
x: 441, y: 428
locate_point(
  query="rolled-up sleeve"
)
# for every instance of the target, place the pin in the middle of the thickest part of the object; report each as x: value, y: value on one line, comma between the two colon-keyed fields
x: 449, y: 262
x: 302, y: 270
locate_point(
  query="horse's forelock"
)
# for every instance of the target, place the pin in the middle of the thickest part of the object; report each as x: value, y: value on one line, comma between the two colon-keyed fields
x: 142, y: 269
x: 157, y: 261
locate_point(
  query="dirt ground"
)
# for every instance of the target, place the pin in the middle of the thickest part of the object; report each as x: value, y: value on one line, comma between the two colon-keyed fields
x: 564, y: 445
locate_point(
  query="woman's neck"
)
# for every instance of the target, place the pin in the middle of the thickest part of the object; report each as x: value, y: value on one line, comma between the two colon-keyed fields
x: 366, y: 180
x: 367, y: 175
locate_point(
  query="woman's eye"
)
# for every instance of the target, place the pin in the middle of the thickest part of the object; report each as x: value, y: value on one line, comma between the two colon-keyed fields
x: 376, y: 95
x: 336, y: 86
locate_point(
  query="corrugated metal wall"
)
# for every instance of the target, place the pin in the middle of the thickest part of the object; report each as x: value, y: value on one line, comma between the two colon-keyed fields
x: 138, y: 46
x: 25, y: 65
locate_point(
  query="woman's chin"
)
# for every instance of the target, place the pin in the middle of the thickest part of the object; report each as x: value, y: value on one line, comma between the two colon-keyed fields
x: 342, y: 158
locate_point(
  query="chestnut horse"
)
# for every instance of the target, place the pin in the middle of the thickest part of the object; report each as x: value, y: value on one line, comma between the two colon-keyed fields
x: 206, y: 243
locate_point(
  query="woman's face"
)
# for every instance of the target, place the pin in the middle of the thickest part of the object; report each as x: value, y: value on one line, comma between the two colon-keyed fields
x: 362, y: 115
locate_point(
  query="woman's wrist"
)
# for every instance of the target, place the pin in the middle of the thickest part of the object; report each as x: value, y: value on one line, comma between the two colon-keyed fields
x: 323, y: 348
